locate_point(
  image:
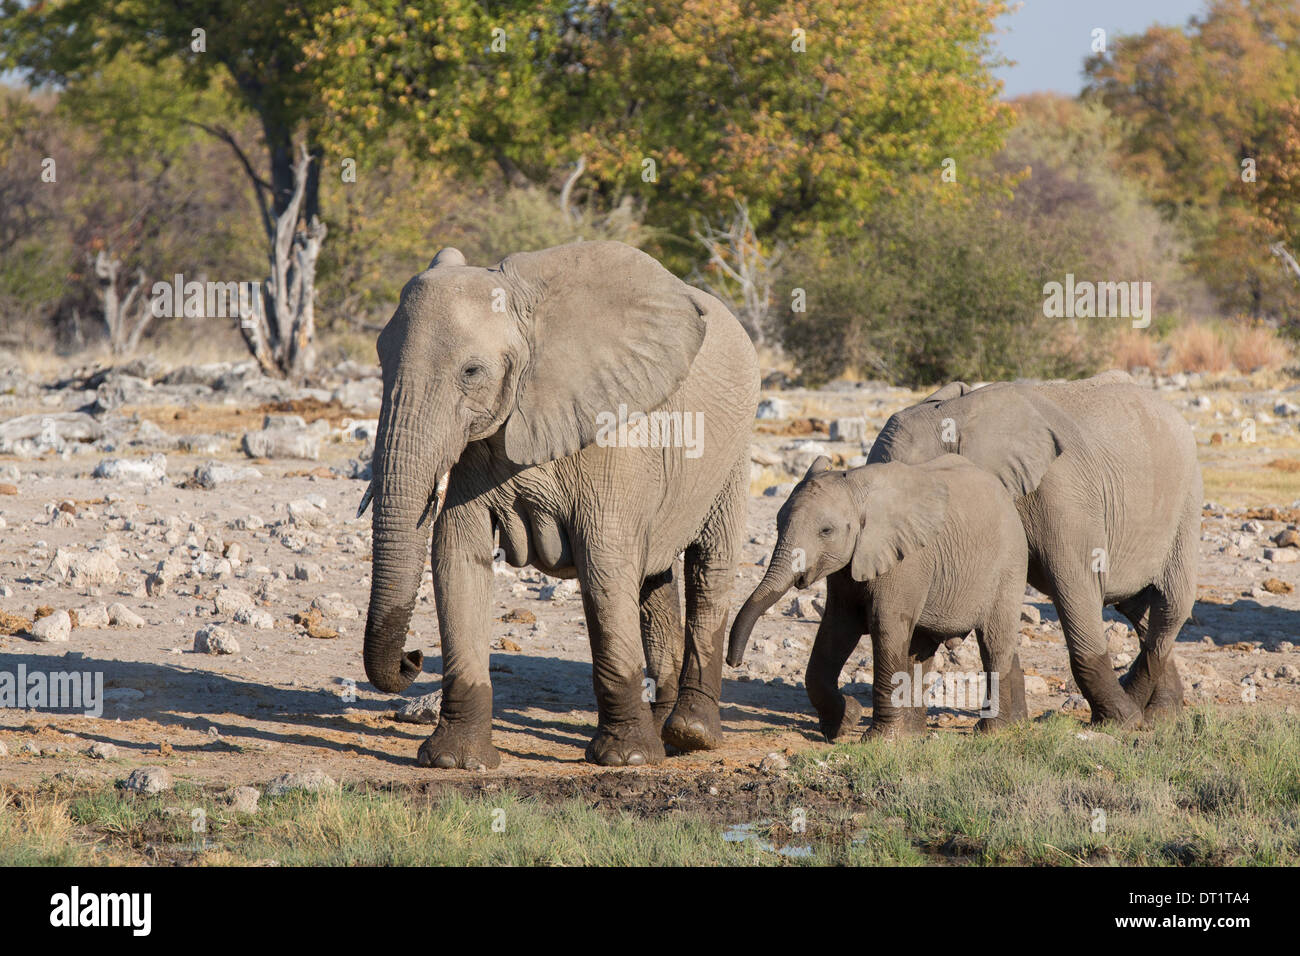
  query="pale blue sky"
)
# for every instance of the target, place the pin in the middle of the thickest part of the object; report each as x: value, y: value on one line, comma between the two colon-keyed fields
x: 1050, y: 39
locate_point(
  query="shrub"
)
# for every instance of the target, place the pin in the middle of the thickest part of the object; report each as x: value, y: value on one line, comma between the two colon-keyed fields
x: 1258, y: 347
x: 1198, y: 347
x: 1133, y: 349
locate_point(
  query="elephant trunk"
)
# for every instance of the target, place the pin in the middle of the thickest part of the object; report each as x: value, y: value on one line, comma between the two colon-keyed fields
x: 778, y: 579
x: 404, y: 486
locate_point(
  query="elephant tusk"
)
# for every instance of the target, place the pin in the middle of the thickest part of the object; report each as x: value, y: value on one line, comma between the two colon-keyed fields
x: 366, y: 499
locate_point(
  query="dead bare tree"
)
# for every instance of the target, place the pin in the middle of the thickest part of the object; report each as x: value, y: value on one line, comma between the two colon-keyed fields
x: 1280, y: 250
x: 282, y: 333
x: 125, y: 316
x: 738, y: 271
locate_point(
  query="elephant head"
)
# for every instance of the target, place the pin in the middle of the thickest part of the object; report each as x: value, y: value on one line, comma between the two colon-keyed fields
x: 1007, y: 429
x: 527, y: 353
x: 867, y: 519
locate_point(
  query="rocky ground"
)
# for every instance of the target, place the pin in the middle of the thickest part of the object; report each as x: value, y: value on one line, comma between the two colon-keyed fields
x: 190, y: 534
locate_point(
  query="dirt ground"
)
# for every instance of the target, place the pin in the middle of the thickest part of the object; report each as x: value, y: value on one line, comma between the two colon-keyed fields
x: 289, y: 701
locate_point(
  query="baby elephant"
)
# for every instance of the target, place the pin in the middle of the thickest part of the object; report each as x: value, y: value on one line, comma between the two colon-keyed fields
x: 916, y: 555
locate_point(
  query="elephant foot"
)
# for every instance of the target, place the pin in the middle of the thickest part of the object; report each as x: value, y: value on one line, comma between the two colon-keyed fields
x: 839, y: 729
x: 453, y: 748
x: 909, y: 722
x: 1159, y: 695
x: 1167, y: 701
x: 631, y: 744
x: 1113, y: 703
x: 1122, y: 714
x: 988, y: 725
x: 661, y: 710
x: 694, y: 723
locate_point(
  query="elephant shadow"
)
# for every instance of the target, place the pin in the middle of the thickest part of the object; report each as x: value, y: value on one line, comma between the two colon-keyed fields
x: 1243, y: 620
x: 247, y: 713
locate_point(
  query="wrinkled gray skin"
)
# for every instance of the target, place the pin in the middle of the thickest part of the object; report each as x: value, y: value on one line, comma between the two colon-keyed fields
x: 499, y: 375
x: 912, y: 554
x: 1109, y: 493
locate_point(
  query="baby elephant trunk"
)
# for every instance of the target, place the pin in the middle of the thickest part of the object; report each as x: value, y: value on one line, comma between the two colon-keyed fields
x: 775, y: 583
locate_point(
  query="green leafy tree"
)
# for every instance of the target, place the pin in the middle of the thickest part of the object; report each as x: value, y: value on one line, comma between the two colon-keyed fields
x: 1210, y: 113
x: 257, y: 53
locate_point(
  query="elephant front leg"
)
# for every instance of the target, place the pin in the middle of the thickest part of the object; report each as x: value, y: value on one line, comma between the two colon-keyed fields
x: 1079, y: 606
x: 662, y: 640
x: 901, y: 662
x: 710, y: 567
x: 626, y: 732
x: 462, y: 584
x: 837, y: 636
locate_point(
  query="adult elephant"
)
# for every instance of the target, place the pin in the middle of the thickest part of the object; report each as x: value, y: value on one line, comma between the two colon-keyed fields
x: 1109, y: 493
x: 528, y: 385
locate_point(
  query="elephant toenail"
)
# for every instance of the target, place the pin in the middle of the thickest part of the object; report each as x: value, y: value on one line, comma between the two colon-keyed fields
x: 635, y: 759
x: 445, y: 761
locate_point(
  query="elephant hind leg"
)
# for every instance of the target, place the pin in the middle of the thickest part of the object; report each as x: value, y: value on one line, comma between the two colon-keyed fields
x: 1090, y: 663
x: 710, y: 567
x: 662, y: 638
x: 1153, y: 682
x: 1137, y: 610
x: 999, y: 642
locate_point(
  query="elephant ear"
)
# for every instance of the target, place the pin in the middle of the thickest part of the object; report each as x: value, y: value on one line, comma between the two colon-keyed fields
x: 606, y: 325
x: 902, y: 508
x: 1008, y: 431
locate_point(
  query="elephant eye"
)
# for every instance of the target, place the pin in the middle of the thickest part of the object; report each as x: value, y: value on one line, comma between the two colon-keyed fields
x: 471, y: 371
x: 826, y: 531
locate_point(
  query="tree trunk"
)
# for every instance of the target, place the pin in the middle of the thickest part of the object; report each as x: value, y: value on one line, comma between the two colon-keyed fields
x: 281, y: 335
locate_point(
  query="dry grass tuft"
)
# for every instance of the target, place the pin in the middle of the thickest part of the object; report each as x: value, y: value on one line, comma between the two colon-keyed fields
x: 1198, y: 348
x: 1133, y: 349
x: 1258, y: 348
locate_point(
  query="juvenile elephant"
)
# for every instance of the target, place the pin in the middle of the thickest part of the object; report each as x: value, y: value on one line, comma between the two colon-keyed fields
x: 529, y: 382
x: 915, y: 555
x: 1109, y: 493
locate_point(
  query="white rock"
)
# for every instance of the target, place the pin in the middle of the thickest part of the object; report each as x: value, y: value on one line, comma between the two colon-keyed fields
x: 119, y: 615
x: 92, y: 616
x: 215, y: 640
x: 243, y: 799
x: 773, y: 409
x: 422, y: 710
x: 774, y: 763
x: 151, y: 469
x: 231, y: 601
x: 282, y: 443
x: 53, y: 628
x: 255, y: 617
x: 849, y: 429
x: 334, y: 607
x: 148, y: 780
x: 307, y: 513
x: 312, y: 781
x: 1035, y: 685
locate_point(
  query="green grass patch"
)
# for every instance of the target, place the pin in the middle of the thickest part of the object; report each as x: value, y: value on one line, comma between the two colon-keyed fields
x: 1215, y: 787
